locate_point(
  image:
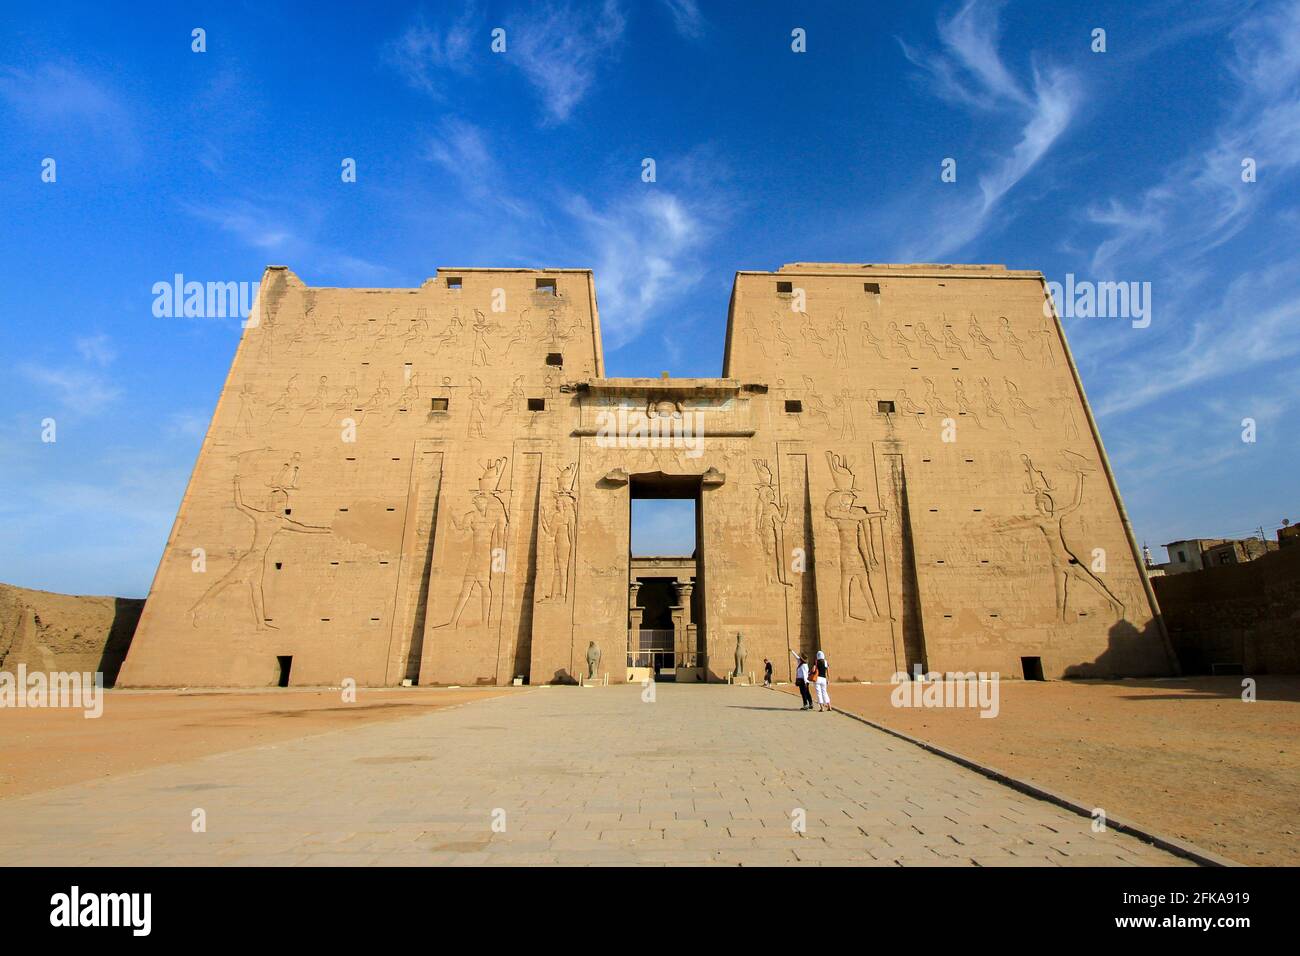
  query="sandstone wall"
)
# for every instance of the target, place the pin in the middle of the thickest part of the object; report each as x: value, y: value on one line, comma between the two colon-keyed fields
x: 65, y: 632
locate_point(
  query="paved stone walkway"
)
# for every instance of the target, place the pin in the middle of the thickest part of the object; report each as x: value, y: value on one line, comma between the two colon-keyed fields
x: 703, y: 774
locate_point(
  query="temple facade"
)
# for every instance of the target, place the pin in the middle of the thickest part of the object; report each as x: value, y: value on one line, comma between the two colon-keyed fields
x: 897, y: 466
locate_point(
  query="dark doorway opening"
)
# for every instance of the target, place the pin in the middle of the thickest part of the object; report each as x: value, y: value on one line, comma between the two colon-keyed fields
x: 286, y: 664
x: 1032, y: 667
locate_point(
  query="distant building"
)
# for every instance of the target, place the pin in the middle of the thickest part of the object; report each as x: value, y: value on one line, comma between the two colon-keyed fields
x: 1237, y: 552
x: 1186, y: 555
x: 1198, y: 554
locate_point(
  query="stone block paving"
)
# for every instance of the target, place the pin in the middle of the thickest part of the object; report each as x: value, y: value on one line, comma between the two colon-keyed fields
x: 703, y: 775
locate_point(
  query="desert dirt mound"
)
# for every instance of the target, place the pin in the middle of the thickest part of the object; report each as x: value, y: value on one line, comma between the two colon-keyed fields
x: 65, y: 632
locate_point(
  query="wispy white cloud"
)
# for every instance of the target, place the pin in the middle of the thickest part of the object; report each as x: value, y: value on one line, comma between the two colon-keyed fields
x: 643, y: 249
x: 427, y: 55
x: 969, y: 71
x: 97, y: 350
x: 66, y: 97
x: 560, y: 47
x: 282, y: 231
x: 687, y: 18
x: 1201, y: 201
x: 80, y: 390
x: 462, y: 149
x: 1255, y: 321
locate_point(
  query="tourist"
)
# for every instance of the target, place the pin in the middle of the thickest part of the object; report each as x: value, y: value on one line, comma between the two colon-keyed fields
x: 801, y: 680
x: 767, y: 673
x: 821, y: 673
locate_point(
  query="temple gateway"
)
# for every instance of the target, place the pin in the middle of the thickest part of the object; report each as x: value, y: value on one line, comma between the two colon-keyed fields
x: 897, y: 466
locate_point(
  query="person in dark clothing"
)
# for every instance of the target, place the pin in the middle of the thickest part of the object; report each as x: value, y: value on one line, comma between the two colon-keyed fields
x: 767, y: 673
x: 801, y: 680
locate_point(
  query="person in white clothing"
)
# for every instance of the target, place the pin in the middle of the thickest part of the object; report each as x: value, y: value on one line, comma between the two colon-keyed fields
x: 821, y: 672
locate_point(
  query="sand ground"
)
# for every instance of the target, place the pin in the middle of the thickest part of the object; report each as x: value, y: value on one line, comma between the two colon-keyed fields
x: 1186, y: 758
x: 45, y: 748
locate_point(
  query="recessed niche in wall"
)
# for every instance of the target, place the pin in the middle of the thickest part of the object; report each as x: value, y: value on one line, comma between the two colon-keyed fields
x: 438, y: 404
x: 793, y: 405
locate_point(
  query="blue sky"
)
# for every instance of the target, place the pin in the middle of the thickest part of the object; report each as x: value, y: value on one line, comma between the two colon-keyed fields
x: 1118, y: 165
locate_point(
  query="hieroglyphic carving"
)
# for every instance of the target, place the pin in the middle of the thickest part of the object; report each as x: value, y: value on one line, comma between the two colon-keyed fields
x: 769, y: 521
x: 1049, y: 522
x: 855, y: 525
x: 779, y: 336
x: 848, y: 427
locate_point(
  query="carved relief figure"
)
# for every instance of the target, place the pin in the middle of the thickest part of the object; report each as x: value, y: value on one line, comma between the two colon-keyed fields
x: 481, y: 329
x: 841, y: 332
x: 486, y: 523
x: 247, y: 407
x: 1048, y: 521
x: 926, y: 340
x: 898, y: 340
x: 811, y: 337
x: 909, y: 407
x: 848, y: 429
x: 933, y: 402
x: 1010, y: 339
x: 857, y: 540
x: 512, y: 401
x: 418, y: 329
x: 250, y: 568
x: 991, y: 407
x: 477, y: 403
x: 769, y: 521
x: 778, y: 334
x: 978, y: 337
x: 561, y: 525
x: 451, y: 334
x: 816, y: 406
x: 523, y: 332
x: 950, y: 341
x: 1017, y: 404
x: 964, y: 406
x: 869, y: 340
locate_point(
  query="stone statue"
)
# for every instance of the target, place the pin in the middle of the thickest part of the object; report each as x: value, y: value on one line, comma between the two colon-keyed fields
x: 593, y: 660
x: 740, y: 654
